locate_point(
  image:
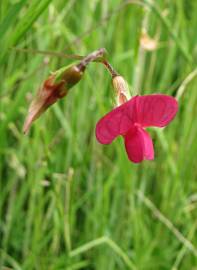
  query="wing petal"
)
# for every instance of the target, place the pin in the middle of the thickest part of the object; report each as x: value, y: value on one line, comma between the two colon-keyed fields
x: 138, y: 145
x: 156, y: 110
x: 117, y: 122
x: 148, y: 145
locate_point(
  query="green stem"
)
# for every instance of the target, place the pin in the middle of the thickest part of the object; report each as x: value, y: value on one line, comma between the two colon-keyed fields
x: 166, y: 23
x: 110, y: 243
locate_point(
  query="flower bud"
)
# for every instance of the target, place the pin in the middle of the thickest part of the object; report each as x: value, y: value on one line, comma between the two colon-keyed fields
x: 121, y: 89
x: 55, y: 87
x: 147, y: 43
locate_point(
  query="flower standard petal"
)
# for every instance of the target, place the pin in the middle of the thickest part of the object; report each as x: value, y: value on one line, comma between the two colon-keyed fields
x: 117, y: 122
x: 156, y: 110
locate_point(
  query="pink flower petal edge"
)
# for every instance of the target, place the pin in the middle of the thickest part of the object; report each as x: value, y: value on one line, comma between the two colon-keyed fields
x: 130, y: 121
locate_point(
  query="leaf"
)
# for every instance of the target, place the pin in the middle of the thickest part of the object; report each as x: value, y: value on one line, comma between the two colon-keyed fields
x: 32, y: 14
x: 10, y: 17
x: 36, y: 8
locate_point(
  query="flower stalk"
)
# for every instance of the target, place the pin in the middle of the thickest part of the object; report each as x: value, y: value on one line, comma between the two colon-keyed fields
x: 57, y: 85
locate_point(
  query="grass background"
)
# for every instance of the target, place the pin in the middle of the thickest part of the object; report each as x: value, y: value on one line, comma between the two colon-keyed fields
x: 67, y: 202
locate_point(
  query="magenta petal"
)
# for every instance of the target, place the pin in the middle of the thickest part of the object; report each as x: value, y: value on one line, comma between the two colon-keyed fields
x: 117, y: 122
x: 134, y: 145
x: 156, y: 110
x: 148, y: 145
x: 138, y: 145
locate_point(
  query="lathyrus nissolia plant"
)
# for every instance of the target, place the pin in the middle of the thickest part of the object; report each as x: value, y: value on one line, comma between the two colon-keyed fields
x: 57, y: 85
x: 129, y: 119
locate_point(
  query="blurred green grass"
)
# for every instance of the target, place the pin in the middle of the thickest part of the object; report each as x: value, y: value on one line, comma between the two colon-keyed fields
x: 67, y: 202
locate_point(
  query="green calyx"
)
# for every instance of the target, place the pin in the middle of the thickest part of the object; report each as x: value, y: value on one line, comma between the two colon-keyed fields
x: 70, y: 75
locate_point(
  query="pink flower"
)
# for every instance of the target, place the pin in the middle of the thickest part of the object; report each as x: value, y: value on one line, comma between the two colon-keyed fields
x: 130, y: 120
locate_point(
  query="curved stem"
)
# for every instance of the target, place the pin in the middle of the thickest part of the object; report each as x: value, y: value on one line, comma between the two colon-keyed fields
x: 49, y: 53
x: 96, y: 56
x: 112, y: 71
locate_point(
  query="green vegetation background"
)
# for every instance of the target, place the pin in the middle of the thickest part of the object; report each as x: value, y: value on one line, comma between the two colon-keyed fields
x: 67, y: 202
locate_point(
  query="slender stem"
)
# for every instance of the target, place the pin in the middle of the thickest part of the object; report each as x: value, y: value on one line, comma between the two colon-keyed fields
x: 104, y: 240
x: 110, y: 68
x: 139, y: 70
x: 167, y: 223
x: 45, y: 52
x: 97, y: 56
x: 184, y: 84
